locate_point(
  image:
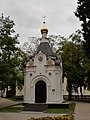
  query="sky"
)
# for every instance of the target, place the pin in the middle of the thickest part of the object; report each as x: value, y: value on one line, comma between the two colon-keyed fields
x: 27, y: 15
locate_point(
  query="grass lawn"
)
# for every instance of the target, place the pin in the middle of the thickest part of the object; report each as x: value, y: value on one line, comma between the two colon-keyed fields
x: 13, y: 108
x: 70, y: 110
x: 16, y: 98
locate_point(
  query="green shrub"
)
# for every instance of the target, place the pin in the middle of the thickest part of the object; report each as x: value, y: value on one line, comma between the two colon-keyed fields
x: 62, y: 117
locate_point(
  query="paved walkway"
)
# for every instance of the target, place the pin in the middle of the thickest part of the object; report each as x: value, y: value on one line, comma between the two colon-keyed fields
x: 82, y: 112
x: 6, y: 102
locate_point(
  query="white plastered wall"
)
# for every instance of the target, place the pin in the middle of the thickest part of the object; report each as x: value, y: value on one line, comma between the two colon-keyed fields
x: 50, y: 74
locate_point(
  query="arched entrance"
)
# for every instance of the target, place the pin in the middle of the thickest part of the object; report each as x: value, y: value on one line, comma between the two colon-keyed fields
x: 40, y: 92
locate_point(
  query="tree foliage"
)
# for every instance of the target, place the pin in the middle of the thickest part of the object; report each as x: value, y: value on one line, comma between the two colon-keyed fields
x: 31, y: 45
x: 83, y: 13
x: 11, y: 56
x: 73, y: 55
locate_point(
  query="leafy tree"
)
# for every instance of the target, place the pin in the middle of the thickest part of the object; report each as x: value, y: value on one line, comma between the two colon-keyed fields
x: 80, y: 61
x: 72, y: 57
x: 22, y: 59
x: 10, y: 55
x: 83, y: 13
x: 30, y: 46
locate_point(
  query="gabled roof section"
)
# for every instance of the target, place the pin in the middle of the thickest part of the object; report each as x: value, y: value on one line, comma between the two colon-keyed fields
x: 45, y: 48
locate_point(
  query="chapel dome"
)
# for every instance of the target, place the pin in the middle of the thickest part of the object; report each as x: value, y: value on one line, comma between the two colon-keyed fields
x: 44, y: 28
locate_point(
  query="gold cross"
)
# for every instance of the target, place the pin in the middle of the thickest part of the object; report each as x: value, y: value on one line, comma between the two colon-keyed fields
x: 44, y: 18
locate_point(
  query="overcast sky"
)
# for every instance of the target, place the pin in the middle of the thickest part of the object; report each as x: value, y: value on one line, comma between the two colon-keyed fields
x: 27, y: 15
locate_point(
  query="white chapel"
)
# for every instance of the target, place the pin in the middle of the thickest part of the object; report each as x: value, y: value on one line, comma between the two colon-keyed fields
x: 43, y: 74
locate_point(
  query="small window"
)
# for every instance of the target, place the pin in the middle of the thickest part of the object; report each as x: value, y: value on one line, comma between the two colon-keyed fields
x: 40, y: 58
x: 53, y: 90
x: 49, y: 73
x: 30, y: 74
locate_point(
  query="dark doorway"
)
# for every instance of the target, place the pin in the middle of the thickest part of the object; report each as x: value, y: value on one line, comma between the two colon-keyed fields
x: 40, y: 92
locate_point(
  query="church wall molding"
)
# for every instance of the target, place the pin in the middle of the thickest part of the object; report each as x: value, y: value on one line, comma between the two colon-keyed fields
x: 38, y: 78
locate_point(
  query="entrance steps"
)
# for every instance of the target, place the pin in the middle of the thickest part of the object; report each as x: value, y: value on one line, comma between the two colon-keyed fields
x: 40, y: 107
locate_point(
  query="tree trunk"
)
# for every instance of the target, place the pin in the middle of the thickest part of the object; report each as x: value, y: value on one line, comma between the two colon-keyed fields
x: 77, y: 94
x: 7, y: 95
x: 13, y: 90
x: 88, y: 79
x: 81, y: 92
x: 70, y: 91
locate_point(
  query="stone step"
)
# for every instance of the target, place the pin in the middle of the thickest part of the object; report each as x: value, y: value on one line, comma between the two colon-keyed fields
x: 40, y: 107
x: 35, y: 107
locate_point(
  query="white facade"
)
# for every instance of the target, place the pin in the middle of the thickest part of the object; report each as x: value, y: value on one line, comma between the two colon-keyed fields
x: 47, y: 71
